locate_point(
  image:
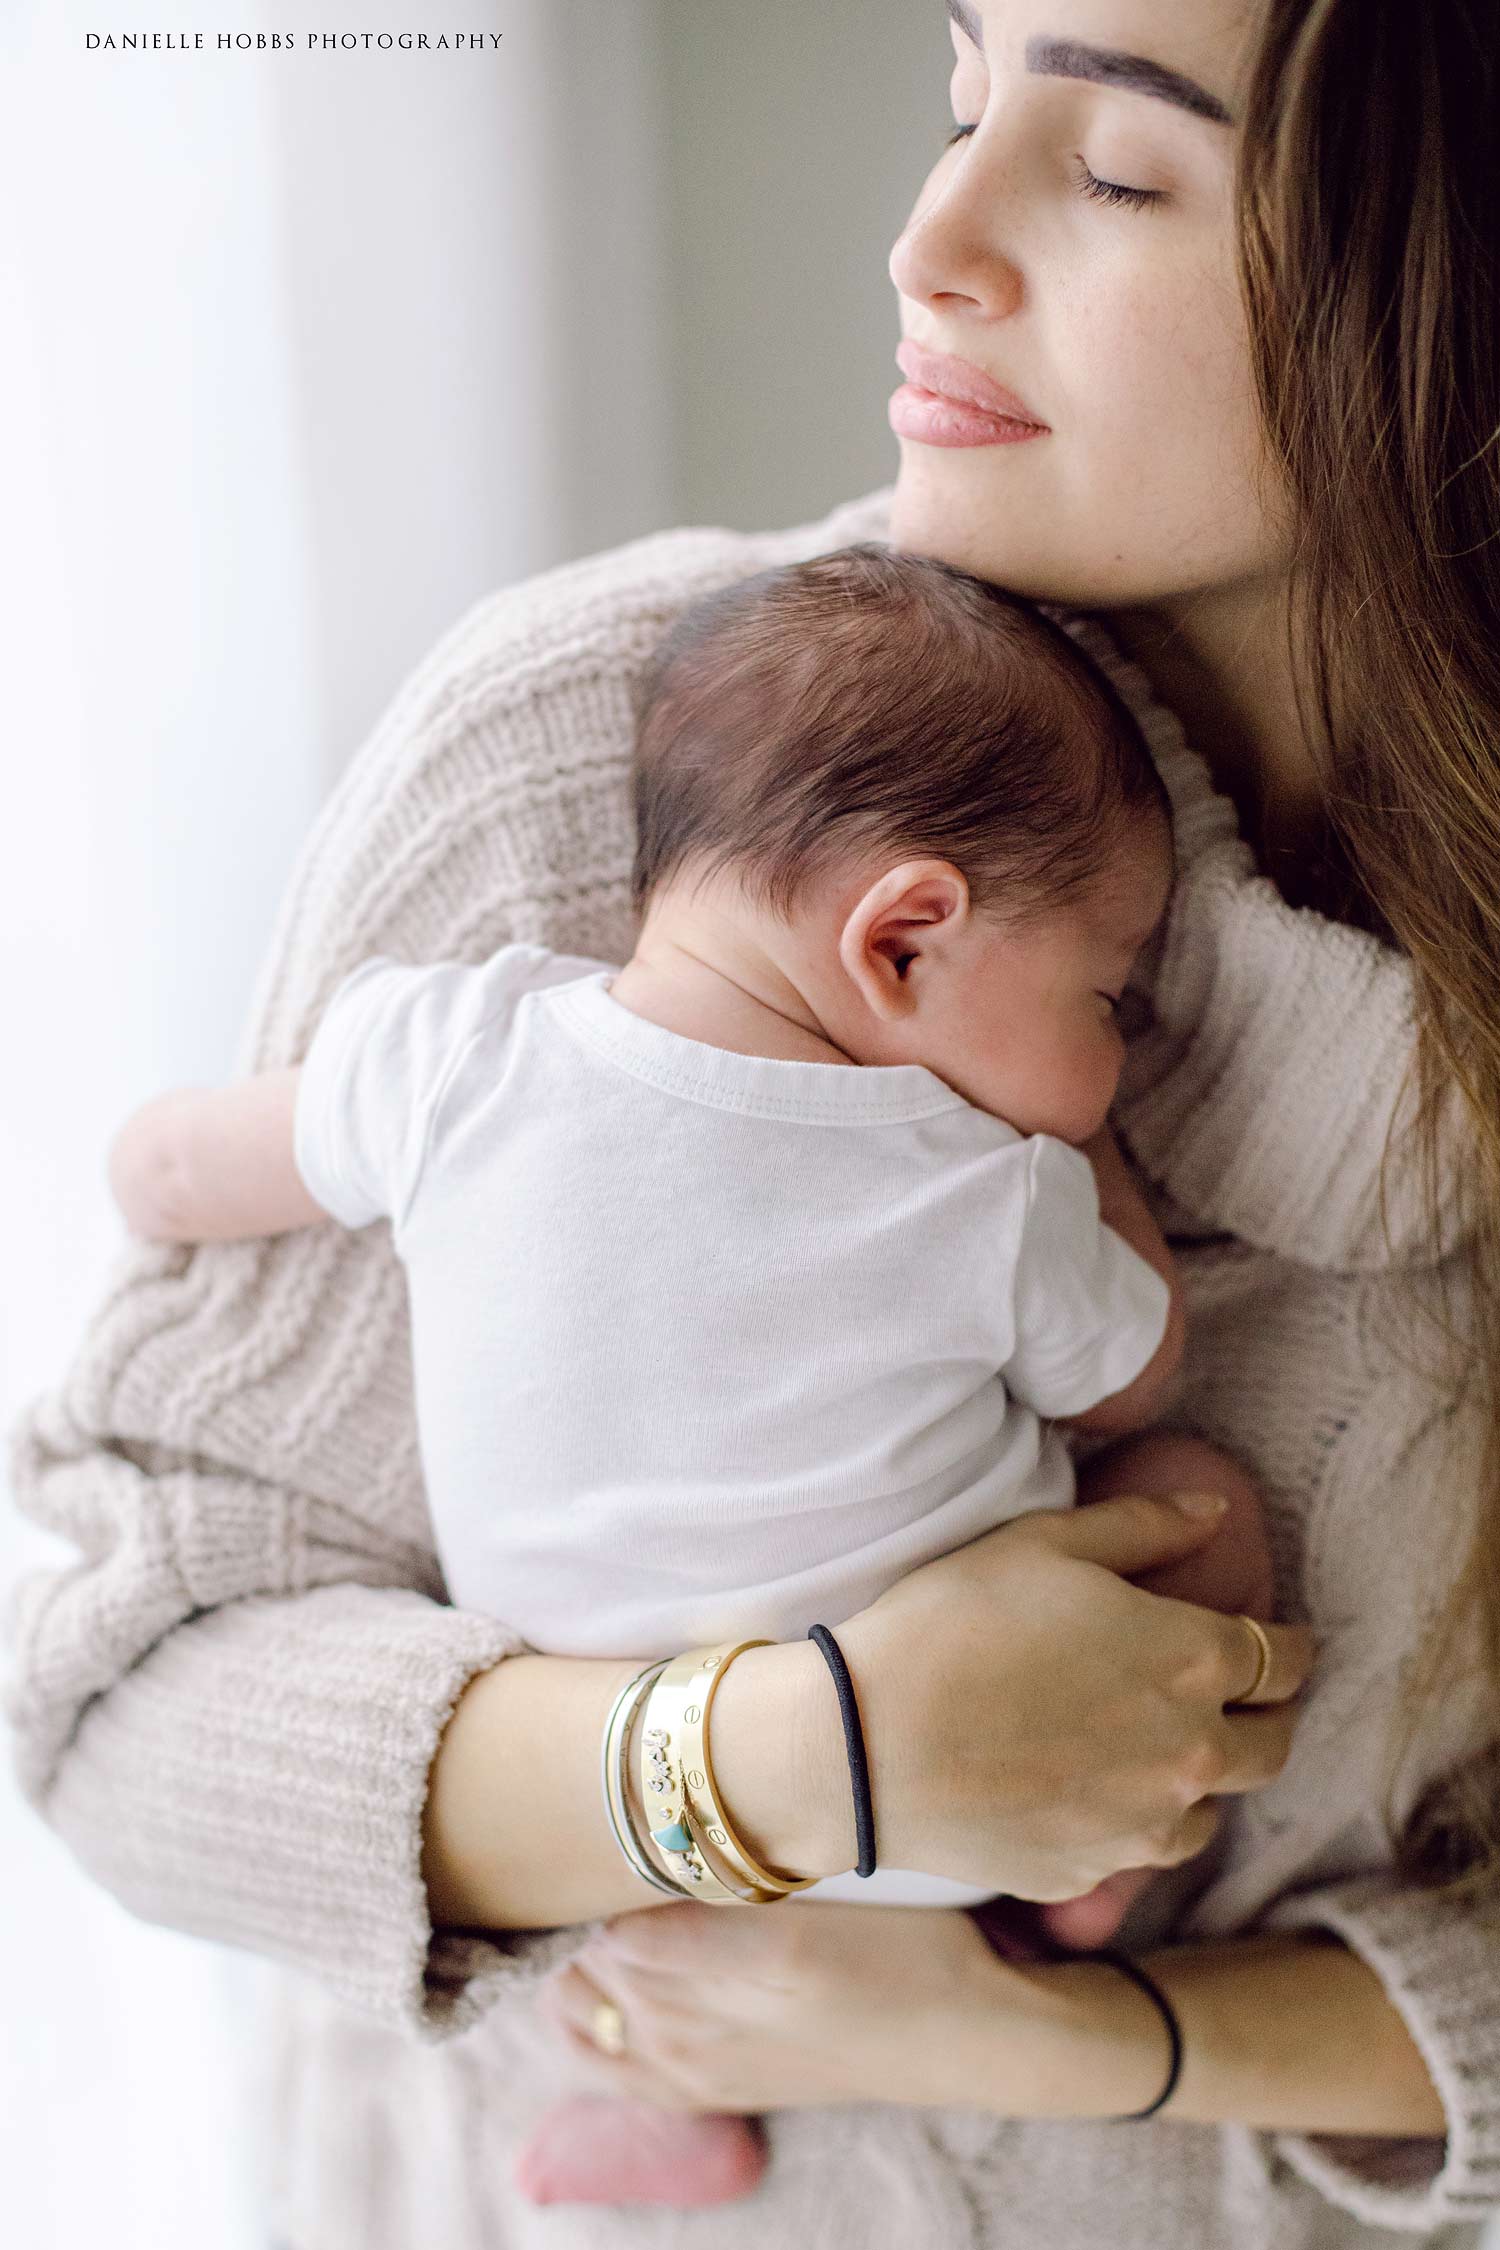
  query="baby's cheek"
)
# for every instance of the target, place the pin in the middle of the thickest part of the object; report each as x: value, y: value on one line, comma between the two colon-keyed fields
x: 1110, y: 1049
x: 1096, y: 1069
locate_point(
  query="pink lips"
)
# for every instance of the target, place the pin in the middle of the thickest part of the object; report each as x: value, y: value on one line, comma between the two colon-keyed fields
x: 955, y: 378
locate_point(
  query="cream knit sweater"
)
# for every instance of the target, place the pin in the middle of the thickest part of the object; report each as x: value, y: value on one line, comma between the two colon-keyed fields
x: 228, y: 1705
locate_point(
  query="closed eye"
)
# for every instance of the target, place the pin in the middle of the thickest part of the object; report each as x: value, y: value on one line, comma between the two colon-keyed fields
x: 1102, y: 191
x: 1110, y: 191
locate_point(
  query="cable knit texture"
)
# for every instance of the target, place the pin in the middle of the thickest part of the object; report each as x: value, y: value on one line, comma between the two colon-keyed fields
x: 228, y: 1705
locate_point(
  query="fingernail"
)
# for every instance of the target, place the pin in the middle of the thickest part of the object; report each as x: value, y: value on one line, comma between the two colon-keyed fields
x: 1199, y: 1503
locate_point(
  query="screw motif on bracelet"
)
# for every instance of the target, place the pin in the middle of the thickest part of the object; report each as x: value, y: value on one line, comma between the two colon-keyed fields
x: 686, y: 1823
x: 673, y: 1828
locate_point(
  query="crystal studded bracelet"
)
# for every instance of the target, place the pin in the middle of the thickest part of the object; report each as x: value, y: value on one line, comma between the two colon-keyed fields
x: 688, y: 1824
x: 679, y: 1833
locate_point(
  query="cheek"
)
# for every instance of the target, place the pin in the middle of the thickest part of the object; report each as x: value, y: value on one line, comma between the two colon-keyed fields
x: 1111, y: 1064
x: 1155, y: 480
x: 1169, y: 465
x: 1075, y: 1052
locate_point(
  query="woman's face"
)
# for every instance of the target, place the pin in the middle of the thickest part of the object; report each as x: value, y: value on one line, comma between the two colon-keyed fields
x: 1116, y: 322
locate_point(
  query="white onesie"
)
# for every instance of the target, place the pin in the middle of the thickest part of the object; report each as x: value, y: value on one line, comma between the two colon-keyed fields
x: 706, y: 1345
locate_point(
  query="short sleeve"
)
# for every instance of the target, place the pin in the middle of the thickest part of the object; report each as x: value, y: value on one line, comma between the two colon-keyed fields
x: 387, y: 1045
x: 1089, y: 1312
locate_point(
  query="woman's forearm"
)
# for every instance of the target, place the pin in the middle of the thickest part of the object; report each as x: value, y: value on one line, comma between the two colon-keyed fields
x: 515, y: 1834
x: 1279, y: 2033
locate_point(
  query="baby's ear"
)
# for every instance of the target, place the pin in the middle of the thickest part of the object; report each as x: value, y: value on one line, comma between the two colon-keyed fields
x: 904, y: 914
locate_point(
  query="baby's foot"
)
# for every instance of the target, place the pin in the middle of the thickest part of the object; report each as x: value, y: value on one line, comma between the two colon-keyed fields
x: 1093, y: 1918
x: 594, y: 2149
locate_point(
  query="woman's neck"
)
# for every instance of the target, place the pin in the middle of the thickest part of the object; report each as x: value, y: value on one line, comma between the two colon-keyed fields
x: 1221, y: 662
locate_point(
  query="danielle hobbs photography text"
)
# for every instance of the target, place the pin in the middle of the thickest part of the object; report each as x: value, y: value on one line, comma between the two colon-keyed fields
x: 191, y: 42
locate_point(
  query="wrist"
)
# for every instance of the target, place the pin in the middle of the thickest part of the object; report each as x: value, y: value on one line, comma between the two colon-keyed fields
x: 1072, y: 2039
x: 489, y: 1797
x: 778, y: 1751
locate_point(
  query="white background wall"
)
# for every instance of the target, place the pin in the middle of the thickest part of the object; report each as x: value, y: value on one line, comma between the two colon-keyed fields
x: 800, y: 133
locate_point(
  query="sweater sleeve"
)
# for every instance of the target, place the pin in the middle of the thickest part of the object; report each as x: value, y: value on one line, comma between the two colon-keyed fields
x: 1439, y: 1961
x: 1239, y: 1010
x: 226, y: 1701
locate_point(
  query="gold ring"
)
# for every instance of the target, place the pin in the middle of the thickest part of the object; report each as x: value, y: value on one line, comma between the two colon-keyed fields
x: 1263, y: 1656
x: 607, y: 2028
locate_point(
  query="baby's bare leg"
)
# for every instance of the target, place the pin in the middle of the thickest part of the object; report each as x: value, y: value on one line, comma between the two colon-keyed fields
x: 1231, y: 1572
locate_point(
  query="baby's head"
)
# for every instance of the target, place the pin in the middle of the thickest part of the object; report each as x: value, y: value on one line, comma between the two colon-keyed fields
x: 901, y: 805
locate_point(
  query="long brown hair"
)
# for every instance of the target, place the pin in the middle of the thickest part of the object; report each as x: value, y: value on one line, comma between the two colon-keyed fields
x: 1370, y: 251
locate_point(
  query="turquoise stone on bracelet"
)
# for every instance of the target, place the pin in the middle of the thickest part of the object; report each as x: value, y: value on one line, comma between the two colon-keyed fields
x: 675, y: 1837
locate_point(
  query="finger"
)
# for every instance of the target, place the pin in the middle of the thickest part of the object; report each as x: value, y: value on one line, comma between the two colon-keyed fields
x: 1127, y: 1532
x: 658, y: 1938
x: 561, y: 1999
x: 1256, y: 1745
x: 1293, y: 1650
x: 1193, y: 1832
x: 620, y: 1969
x: 572, y: 2033
x: 612, y: 2074
x: 571, y: 1996
x: 558, y: 1996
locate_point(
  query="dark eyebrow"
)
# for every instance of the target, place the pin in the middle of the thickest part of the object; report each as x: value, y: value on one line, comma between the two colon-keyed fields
x: 1105, y: 66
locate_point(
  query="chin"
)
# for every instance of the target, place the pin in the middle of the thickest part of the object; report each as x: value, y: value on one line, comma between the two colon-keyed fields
x: 1075, y: 1126
x: 947, y: 505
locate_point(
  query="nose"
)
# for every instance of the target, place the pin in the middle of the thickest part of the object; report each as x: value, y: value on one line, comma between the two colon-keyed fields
x: 950, y: 254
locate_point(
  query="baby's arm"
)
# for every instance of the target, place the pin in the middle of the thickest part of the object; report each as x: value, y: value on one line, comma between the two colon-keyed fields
x: 213, y: 1163
x: 1121, y: 1206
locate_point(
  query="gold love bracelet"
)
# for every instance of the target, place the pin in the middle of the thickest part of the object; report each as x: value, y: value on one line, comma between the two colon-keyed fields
x: 686, y: 1816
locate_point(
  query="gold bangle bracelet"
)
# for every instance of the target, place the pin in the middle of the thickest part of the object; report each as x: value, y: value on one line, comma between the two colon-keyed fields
x: 702, y: 1784
x: 678, y: 1836
x: 693, y: 1828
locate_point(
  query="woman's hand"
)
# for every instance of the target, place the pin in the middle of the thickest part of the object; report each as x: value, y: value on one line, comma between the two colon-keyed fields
x: 810, y: 2003
x: 801, y: 2004
x: 1033, y: 1721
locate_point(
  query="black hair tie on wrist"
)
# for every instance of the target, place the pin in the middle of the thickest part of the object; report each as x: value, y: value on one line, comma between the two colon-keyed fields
x: 1154, y: 1992
x: 854, y: 1743
x: 864, y: 1829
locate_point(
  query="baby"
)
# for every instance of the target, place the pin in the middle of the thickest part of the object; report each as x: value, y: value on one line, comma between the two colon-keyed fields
x: 749, y: 1276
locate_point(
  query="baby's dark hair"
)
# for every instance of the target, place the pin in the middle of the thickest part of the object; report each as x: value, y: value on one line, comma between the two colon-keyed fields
x: 871, y: 701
